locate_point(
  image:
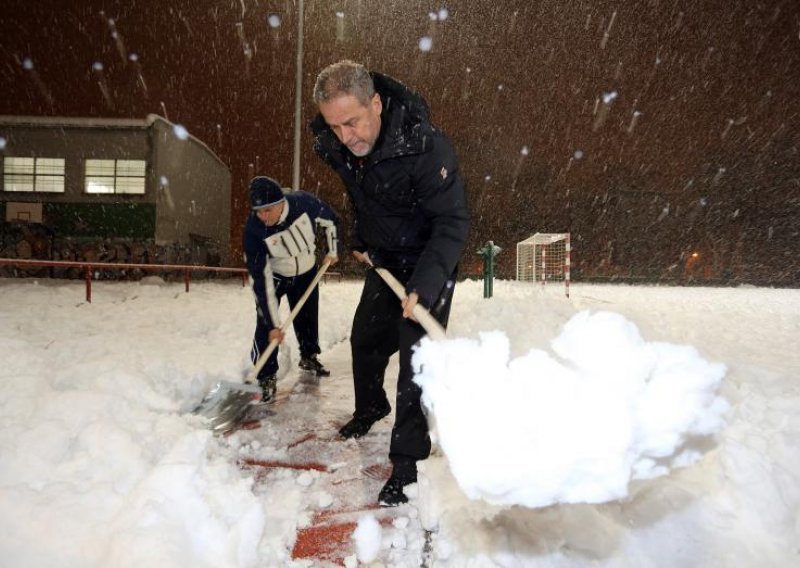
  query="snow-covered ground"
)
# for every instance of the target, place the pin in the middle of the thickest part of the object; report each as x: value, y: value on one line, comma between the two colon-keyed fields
x: 578, y: 421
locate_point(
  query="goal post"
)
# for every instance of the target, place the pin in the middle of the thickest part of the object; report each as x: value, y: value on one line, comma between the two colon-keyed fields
x: 543, y: 258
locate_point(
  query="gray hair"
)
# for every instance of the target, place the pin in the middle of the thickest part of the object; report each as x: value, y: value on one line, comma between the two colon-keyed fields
x: 344, y: 78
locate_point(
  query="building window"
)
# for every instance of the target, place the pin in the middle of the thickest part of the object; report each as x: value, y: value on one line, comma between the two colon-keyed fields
x: 33, y: 174
x: 115, y: 176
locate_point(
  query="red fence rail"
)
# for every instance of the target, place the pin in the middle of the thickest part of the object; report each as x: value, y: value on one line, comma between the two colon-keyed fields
x: 90, y: 266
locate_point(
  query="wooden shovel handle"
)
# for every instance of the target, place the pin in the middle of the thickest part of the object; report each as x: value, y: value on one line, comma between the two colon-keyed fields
x: 424, y: 317
x: 262, y: 360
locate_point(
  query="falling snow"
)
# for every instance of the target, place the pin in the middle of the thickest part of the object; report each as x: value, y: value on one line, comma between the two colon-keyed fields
x: 180, y: 132
x: 608, y: 97
x: 655, y: 95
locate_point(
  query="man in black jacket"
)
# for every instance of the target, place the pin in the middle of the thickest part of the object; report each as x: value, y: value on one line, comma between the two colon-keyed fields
x: 410, y: 217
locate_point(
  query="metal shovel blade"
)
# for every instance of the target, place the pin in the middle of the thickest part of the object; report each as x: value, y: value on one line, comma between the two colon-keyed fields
x: 226, y: 404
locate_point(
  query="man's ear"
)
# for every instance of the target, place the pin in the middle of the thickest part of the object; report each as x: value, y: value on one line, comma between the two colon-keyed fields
x: 377, y: 105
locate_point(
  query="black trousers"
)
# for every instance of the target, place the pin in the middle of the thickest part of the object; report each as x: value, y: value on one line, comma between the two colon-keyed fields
x: 379, y: 331
x: 305, y: 324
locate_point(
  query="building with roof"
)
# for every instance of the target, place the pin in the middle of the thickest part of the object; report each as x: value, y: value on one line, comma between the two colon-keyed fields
x: 147, y: 181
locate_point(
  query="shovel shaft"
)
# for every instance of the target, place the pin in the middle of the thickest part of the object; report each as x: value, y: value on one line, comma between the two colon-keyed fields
x: 262, y: 360
x: 429, y: 323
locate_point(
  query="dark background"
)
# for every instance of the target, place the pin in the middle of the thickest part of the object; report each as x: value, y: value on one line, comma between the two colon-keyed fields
x: 696, y: 150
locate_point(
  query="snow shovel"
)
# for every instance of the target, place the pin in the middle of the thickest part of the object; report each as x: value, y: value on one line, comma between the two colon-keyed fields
x: 430, y: 324
x: 433, y: 328
x: 227, y: 403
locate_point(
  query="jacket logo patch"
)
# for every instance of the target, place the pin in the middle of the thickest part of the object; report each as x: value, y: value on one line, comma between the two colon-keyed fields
x: 443, y: 172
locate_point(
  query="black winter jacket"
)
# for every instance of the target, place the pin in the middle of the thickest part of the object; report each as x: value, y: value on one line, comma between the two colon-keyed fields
x: 407, y: 195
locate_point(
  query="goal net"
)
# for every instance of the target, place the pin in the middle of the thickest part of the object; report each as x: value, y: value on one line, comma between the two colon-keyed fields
x: 544, y: 258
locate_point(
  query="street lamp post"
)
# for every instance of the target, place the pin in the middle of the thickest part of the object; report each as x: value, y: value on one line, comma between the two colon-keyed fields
x: 298, y: 96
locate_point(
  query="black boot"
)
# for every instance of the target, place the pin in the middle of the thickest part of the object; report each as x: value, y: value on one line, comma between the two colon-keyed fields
x: 360, y: 425
x: 311, y: 363
x: 269, y: 386
x: 403, y: 473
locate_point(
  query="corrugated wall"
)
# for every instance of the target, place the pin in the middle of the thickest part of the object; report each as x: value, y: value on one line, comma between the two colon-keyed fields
x: 648, y: 129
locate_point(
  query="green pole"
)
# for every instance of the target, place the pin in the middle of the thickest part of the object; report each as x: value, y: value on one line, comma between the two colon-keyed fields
x: 488, y: 252
x: 489, y: 270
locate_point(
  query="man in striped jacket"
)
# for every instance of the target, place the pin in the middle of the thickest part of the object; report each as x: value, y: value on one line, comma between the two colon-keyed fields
x: 279, y: 250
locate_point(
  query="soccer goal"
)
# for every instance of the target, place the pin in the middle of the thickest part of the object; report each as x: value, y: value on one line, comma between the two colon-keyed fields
x: 544, y: 257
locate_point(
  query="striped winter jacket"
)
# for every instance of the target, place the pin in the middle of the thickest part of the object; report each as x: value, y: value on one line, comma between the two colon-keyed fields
x: 286, y: 249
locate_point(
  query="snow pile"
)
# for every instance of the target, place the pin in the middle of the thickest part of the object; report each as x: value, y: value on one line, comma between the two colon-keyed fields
x: 367, y: 537
x: 574, y: 426
x: 99, y: 467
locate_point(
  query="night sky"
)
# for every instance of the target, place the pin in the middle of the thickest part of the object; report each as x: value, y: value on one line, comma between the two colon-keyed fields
x: 648, y: 129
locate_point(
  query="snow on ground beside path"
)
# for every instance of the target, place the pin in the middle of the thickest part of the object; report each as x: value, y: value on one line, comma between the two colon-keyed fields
x: 101, y: 465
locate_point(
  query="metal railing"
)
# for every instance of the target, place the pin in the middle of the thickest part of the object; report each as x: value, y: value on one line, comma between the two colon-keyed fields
x: 89, y: 267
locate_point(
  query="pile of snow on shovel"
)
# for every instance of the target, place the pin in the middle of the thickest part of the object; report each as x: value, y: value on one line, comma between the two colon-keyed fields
x: 575, y: 425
